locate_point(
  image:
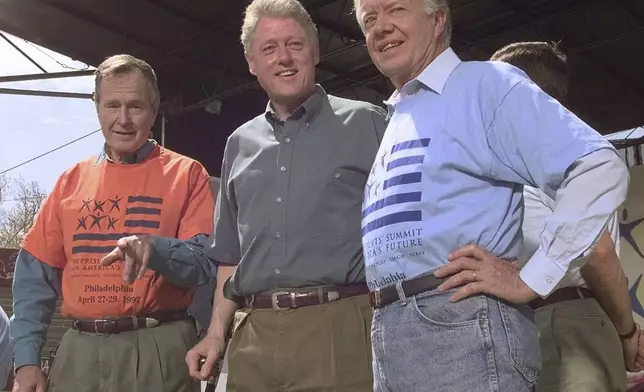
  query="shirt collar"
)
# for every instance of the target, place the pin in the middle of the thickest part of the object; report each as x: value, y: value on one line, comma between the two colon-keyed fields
x: 310, y: 108
x: 137, y: 157
x: 434, y: 76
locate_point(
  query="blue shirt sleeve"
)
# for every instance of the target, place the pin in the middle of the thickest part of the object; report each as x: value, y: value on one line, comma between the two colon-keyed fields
x: 183, y: 262
x: 534, y: 139
x: 6, y: 349
x: 36, y: 288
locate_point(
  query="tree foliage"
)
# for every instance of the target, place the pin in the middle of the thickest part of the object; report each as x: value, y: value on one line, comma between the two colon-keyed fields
x: 20, y: 201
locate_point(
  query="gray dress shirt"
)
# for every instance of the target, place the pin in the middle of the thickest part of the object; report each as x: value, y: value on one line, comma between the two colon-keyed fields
x: 289, y: 208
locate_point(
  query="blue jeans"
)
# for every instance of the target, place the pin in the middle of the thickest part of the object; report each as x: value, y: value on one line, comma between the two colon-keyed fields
x: 427, y: 344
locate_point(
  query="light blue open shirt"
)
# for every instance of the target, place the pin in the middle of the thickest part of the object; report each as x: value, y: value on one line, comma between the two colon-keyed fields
x: 462, y: 140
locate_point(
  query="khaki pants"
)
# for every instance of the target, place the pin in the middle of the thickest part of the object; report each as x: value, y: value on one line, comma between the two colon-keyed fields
x: 323, y: 348
x: 580, y: 349
x: 147, y: 360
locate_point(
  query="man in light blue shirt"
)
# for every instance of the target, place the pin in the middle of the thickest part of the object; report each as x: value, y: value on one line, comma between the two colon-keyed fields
x: 6, y: 350
x: 443, y: 206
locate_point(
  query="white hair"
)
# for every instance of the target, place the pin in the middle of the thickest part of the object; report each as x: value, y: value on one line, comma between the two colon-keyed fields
x: 275, y: 9
x: 122, y: 64
x: 430, y: 6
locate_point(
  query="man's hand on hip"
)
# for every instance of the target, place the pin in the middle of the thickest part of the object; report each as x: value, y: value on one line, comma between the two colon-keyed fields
x: 134, y: 251
x: 212, y: 349
x: 29, y: 378
x: 480, y: 272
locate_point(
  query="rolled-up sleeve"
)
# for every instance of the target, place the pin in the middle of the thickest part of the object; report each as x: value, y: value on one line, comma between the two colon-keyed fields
x: 36, y: 288
x: 536, y: 141
x: 584, y: 205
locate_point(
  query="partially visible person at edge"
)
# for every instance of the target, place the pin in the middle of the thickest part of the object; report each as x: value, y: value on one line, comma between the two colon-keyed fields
x: 6, y: 352
x: 287, y: 223
x: 128, y: 335
x: 443, y: 207
x: 587, y: 334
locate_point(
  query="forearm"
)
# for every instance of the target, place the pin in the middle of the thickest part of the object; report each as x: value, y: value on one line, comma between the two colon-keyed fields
x: 223, y: 308
x: 35, y: 291
x: 604, y: 275
x: 588, y: 197
x: 184, y: 263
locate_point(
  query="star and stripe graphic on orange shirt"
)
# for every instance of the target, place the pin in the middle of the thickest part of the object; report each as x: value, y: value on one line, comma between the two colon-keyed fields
x: 97, y: 231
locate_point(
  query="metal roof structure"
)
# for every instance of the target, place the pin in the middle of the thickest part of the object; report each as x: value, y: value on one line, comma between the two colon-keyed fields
x: 194, y: 47
x: 630, y: 145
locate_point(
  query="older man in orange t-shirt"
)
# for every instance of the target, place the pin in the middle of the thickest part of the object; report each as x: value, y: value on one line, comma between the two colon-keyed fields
x: 127, y: 335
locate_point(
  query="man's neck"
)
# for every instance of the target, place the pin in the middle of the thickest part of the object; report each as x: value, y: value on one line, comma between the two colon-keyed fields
x: 285, y: 108
x: 122, y: 158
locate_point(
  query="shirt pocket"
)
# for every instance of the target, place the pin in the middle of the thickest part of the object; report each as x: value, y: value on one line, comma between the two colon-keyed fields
x: 335, y: 211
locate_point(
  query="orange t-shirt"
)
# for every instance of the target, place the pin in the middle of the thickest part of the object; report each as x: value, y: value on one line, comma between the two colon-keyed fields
x: 92, y: 206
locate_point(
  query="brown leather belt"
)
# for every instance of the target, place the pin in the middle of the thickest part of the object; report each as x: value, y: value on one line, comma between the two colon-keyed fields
x: 414, y: 286
x: 297, y: 298
x: 124, y: 324
x: 560, y: 295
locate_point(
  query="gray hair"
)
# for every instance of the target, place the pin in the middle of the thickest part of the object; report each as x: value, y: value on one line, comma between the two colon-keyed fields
x: 121, y: 64
x: 275, y: 9
x: 430, y: 6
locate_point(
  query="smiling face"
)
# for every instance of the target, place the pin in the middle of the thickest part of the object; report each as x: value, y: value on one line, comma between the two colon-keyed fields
x: 402, y: 37
x: 126, y: 112
x: 283, y: 58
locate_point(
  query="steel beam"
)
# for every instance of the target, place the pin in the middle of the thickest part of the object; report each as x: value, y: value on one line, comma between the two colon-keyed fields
x: 41, y: 93
x: 25, y: 55
x: 460, y: 42
x: 41, y: 76
x: 310, y: 5
x: 190, y: 68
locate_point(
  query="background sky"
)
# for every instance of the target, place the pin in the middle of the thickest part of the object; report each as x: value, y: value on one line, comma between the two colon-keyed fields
x: 30, y: 126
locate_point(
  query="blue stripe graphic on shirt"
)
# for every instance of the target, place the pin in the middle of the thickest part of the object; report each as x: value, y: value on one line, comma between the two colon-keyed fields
x: 142, y: 223
x: 391, y: 219
x: 101, y: 237
x: 112, y: 237
x: 143, y: 211
x: 92, y: 249
x: 405, y: 161
x: 145, y: 199
x: 391, y: 200
x: 403, y: 179
x: 409, y: 144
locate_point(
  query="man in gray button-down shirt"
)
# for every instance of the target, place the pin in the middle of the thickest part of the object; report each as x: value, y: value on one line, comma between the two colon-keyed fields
x: 287, y: 224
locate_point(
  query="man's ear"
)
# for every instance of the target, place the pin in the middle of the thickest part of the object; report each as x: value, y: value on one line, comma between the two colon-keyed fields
x: 251, y: 64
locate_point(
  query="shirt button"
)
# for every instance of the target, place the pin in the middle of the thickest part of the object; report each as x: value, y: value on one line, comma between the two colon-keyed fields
x: 287, y: 140
x: 279, y: 200
x: 277, y: 271
x: 278, y: 235
x: 549, y: 280
x: 307, y: 125
x: 283, y: 168
x: 337, y: 175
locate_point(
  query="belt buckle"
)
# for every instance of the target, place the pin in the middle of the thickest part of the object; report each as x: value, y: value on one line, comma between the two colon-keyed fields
x: 275, y: 300
x: 96, y: 327
x: 333, y: 295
